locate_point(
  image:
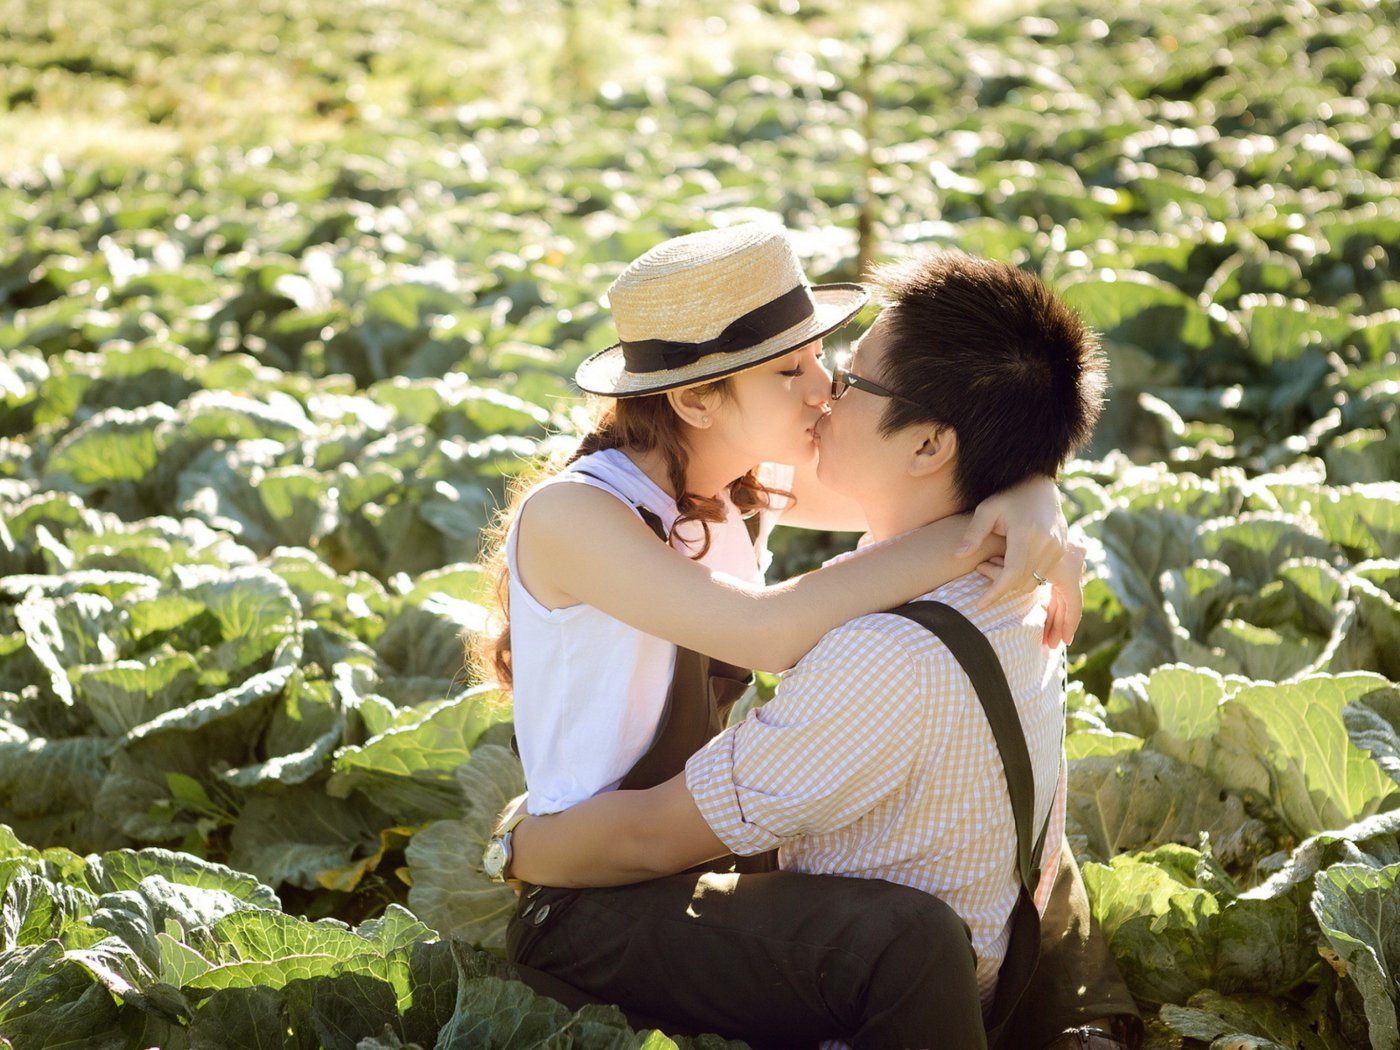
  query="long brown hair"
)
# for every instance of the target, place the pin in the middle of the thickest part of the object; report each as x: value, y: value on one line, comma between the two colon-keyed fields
x: 641, y: 424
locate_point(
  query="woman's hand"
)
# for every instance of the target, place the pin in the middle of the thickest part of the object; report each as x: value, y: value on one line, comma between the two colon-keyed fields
x: 1066, y: 597
x: 1028, y: 514
x: 1066, y: 605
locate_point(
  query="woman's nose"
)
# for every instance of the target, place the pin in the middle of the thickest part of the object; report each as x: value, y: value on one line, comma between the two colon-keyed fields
x: 819, y: 390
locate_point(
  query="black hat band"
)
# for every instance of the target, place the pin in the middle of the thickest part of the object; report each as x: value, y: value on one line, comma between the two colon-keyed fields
x: 757, y: 326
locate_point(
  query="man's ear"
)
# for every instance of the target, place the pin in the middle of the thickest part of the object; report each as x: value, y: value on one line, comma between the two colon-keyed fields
x: 937, y: 452
x: 693, y: 407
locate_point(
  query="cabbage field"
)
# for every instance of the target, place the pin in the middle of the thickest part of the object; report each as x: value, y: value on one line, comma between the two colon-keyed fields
x: 289, y: 290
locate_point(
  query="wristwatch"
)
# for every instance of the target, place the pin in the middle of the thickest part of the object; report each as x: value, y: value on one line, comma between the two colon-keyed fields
x: 496, y: 859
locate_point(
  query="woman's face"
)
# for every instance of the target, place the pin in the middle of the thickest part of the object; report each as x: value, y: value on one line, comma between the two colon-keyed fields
x: 774, y: 407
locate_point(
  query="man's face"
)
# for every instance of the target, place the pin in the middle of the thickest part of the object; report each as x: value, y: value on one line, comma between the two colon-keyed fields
x: 854, y: 458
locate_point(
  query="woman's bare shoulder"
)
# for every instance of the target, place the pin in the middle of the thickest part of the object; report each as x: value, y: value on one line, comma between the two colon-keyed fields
x: 566, y: 510
x: 565, y: 532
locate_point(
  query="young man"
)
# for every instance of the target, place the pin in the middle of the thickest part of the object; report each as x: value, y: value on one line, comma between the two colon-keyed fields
x: 875, y: 760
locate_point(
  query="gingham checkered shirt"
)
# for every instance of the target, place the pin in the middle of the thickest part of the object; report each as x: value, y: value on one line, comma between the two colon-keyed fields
x: 875, y: 760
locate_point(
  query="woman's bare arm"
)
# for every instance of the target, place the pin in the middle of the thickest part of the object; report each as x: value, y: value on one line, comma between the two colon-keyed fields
x: 580, y: 544
x: 1028, y: 515
x: 585, y: 545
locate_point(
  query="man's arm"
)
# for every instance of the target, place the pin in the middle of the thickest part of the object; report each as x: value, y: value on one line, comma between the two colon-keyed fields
x: 839, y: 737
x: 615, y: 838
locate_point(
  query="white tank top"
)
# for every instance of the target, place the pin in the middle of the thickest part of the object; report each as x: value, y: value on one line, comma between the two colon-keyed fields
x: 588, y: 689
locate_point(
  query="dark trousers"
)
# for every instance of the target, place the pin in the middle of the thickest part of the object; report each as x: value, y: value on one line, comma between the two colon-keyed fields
x: 778, y: 959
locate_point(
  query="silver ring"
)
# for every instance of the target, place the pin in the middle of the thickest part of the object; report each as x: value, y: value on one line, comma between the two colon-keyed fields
x: 1039, y: 578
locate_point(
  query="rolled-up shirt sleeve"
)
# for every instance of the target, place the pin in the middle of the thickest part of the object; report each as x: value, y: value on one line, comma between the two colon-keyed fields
x: 839, y: 737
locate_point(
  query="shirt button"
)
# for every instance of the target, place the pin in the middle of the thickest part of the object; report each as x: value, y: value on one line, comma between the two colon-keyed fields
x: 529, y: 907
x: 541, y: 915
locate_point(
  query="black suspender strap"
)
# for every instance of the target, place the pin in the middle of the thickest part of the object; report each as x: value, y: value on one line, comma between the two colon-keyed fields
x: 979, y: 661
x: 649, y: 516
x: 752, y: 524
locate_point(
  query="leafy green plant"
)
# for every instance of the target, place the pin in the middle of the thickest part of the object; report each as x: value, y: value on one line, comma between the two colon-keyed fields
x: 150, y: 947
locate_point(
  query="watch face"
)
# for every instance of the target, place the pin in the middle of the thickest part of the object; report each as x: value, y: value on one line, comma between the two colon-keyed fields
x: 494, y: 859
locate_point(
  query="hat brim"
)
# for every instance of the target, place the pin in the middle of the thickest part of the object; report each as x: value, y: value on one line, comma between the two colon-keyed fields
x: 606, y: 371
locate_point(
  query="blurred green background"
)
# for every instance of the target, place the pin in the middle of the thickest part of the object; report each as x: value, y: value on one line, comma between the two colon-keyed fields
x: 143, y: 81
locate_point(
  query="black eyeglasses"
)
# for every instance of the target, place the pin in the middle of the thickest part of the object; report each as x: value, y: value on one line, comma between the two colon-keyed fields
x: 842, y: 380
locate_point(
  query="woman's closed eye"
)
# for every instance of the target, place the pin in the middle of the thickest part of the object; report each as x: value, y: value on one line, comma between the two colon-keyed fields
x: 792, y: 373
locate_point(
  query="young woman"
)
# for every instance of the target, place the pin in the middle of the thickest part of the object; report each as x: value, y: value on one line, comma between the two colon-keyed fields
x: 716, y: 380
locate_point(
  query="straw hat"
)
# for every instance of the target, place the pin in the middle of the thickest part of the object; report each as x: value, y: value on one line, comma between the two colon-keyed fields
x: 707, y: 305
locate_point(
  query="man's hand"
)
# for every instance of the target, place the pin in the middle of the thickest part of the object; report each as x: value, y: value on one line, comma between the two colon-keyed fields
x: 1029, y: 516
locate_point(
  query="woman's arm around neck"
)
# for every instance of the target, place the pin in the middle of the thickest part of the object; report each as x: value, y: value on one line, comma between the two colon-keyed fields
x: 578, y: 544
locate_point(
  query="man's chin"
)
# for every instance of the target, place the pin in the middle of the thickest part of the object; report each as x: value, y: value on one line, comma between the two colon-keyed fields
x: 831, y: 478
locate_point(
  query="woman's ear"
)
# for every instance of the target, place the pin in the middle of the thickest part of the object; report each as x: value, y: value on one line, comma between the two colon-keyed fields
x: 692, y: 406
x: 937, y: 452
